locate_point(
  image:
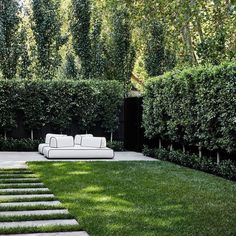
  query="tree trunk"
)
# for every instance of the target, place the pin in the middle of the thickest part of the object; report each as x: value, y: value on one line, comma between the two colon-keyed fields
x: 111, y: 138
x: 160, y: 145
x: 200, y: 151
x: 184, y: 150
x: 5, y: 135
x: 32, y: 134
x: 171, y: 147
x: 218, y: 157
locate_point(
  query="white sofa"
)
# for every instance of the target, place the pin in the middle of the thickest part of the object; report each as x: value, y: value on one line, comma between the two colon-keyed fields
x: 83, y: 147
x: 47, y: 140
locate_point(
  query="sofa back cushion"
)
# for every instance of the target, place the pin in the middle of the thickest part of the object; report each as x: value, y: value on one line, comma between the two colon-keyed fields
x: 95, y: 142
x: 48, y: 137
x: 79, y: 137
x: 61, y: 141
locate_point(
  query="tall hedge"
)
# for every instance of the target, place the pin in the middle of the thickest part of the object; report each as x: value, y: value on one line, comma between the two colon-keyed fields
x: 59, y: 103
x: 196, y: 106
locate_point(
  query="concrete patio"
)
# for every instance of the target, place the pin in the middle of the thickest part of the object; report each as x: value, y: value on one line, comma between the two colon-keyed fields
x: 19, y: 159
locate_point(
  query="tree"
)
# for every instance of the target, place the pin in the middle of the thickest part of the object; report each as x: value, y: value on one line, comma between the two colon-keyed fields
x: 70, y: 68
x: 98, y: 59
x: 9, y: 22
x: 80, y: 27
x: 24, y: 61
x: 155, y: 50
x: 122, y: 52
x: 46, y: 30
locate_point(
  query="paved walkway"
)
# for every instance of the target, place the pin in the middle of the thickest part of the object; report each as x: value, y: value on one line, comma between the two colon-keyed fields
x: 19, y: 159
x: 18, y: 188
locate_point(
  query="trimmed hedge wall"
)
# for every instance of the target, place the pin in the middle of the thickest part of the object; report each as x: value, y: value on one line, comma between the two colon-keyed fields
x: 58, y: 103
x: 194, y: 107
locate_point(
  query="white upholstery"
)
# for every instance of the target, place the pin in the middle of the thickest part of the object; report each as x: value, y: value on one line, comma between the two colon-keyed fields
x: 95, y: 142
x: 78, y: 152
x: 79, y: 137
x: 42, y: 146
x: 61, y: 141
x: 49, y: 135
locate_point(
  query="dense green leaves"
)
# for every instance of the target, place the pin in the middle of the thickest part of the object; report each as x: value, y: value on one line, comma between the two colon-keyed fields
x: 9, y: 22
x: 46, y: 29
x: 58, y: 103
x: 195, y: 107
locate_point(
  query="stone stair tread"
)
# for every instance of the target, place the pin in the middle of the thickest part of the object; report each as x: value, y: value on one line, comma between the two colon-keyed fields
x: 45, y: 203
x: 37, y: 223
x: 18, y: 179
x: 34, y: 212
x: 22, y: 196
x: 23, y: 189
x: 20, y: 184
x: 75, y: 233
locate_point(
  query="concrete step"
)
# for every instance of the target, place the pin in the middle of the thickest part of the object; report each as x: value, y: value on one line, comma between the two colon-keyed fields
x: 23, y: 190
x: 37, y: 223
x: 26, y: 196
x: 20, y: 179
x: 19, y: 175
x: 20, y: 184
x: 44, y: 203
x: 76, y: 233
x: 34, y: 212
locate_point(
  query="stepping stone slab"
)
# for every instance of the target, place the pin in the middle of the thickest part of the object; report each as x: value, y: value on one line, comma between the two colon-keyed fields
x: 16, y: 175
x: 76, y: 233
x: 20, y: 184
x: 23, y: 190
x: 26, y: 196
x: 34, y: 213
x: 37, y: 223
x: 20, y: 179
x: 16, y: 204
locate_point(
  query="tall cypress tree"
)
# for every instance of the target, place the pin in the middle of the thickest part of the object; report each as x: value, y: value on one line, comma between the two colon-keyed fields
x: 155, y: 50
x: 122, y: 53
x: 9, y: 22
x: 46, y: 30
x: 80, y: 28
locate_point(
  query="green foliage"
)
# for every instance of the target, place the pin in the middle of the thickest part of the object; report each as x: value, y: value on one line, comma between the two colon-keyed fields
x: 117, y: 146
x: 195, y: 106
x: 80, y: 27
x: 9, y: 97
x: 108, y: 115
x: 46, y: 29
x: 226, y: 168
x: 59, y: 102
x: 122, y: 52
x: 19, y: 144
x: 9, y: 22
x: 24, y: 61
x: 157, y: 58
x: 70, y: 68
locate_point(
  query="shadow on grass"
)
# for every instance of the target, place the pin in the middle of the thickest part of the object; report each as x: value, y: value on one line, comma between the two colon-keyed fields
x: 127, y: 198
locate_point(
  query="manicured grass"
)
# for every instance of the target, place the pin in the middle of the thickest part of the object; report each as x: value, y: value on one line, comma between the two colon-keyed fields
x: 142, y: 198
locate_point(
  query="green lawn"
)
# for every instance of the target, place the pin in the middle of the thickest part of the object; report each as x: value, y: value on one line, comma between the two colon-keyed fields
x: 142, y: 198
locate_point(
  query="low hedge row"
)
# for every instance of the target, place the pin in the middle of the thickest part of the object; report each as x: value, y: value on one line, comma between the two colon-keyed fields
x: 19, y: 144
x: 194, y: 107
x: 225, y: 169
x: 28, y: 145
x: 59, y: 103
